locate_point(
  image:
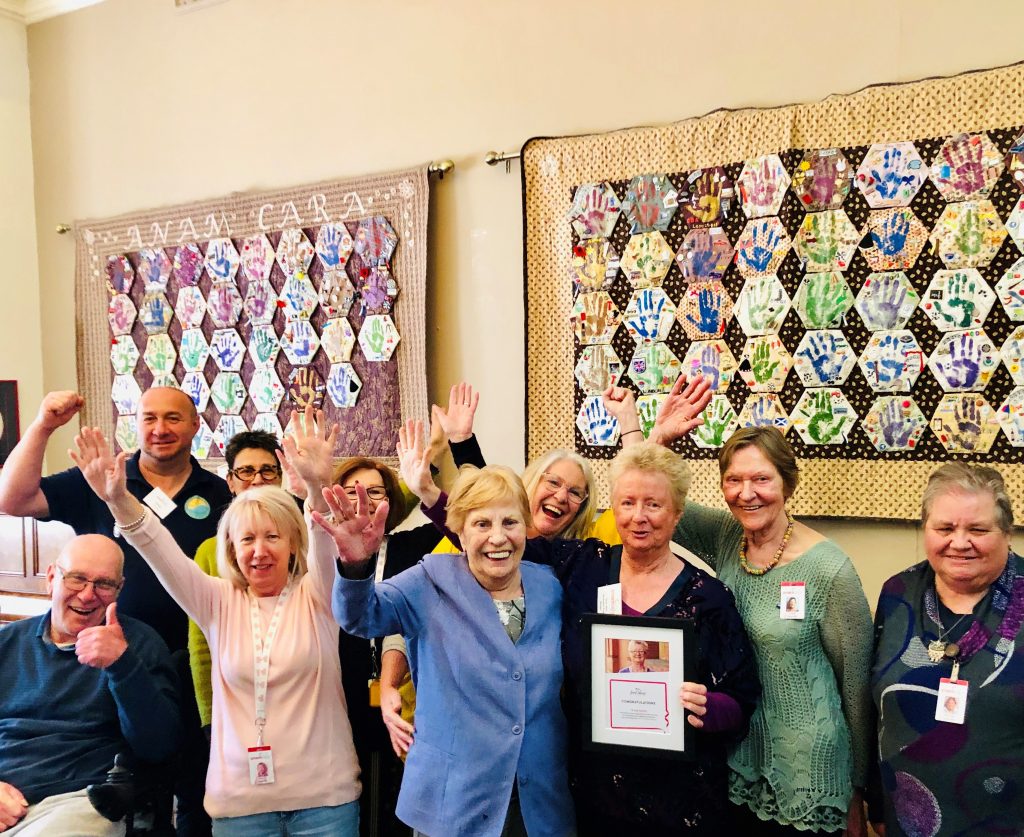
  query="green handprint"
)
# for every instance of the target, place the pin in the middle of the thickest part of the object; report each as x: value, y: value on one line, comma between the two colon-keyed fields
x: 957, y: 299
x: 824, y: 426
x: 821, y: 244
x: 969, y: 236
x: 376, y: 337
x: 647, y: 412
x: 826, y: 300
x: 761, y: 363
x: 263, y: 345
x: 717, y: 418
x: 191, y: 351
x: 123, y: 356
x: 759, y: 307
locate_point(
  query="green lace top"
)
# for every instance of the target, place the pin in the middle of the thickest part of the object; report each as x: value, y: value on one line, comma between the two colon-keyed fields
x: 808, y: 744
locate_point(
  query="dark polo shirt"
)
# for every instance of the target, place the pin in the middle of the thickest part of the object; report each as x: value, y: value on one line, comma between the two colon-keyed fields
x: 198, y: 507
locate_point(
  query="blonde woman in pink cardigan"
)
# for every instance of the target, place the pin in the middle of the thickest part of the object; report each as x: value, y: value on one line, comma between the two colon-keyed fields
x: 282, y: 759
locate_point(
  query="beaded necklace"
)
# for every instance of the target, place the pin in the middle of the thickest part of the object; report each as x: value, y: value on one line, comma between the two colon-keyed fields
x: 775, y: 558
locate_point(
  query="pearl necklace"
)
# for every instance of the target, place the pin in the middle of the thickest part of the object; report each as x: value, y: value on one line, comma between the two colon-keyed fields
x: 775, y: 558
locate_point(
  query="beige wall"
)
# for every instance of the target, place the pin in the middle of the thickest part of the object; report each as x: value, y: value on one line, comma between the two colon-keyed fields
x: 19, y: 276
x: 135, y: 105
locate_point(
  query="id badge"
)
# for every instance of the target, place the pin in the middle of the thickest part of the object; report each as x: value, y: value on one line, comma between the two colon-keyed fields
x: 951, y: 705
x: 792, y: 600
x: 159, y: 502
x: 261, y: 766
x: 609, y: 599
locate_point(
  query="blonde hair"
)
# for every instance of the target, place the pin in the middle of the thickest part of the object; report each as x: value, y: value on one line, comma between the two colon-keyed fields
x: 970, y: 479
x: 475, y: 488
x: 580, y: 524
x: 654, y: 459
x: 268, y: 501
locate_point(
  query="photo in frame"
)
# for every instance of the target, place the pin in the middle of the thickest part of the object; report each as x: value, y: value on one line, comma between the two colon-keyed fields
x: 637, y: 664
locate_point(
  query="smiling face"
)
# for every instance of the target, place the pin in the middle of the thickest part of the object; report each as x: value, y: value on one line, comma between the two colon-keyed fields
x: 753, y: 489
x: 96, y: 558
x: 645, y: 513
x: 556, y: 501
x: 493, y: 538
x: 963, y: 543
x: 166, y: 423
x: 637, y: 656
x: 263, y: 553
x: 254, y: 458
x: 371, y: 480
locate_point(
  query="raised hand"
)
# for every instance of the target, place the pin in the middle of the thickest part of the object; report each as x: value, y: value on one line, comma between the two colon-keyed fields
x: 103, y: 645
x: 414, y: 462
x: 309, y: 448
x: 457, y: 420
x: 58, y: 408
x: 355, y: 532
x: 621, y: 405
x: 680, y: 412
x: 102, y: 470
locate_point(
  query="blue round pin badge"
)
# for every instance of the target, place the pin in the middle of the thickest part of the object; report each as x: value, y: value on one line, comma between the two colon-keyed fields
x: 197, y: 508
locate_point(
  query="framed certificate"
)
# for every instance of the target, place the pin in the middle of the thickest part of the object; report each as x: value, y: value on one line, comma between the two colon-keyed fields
x: 637, y: 664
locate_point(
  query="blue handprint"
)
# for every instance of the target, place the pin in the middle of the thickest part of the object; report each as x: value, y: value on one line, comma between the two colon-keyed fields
x: 711, y: 366
x: 600, y: 423
x: 889, y: 182
x: 647, y: 321
x: 890, y: 240
x: 760, y: 416
x: 228, y: 352
x: 709, y: 307
x: 330, y: 245
x: 155, y: 313
x: 891, y: 361
x: 822, y: 351
x: 763, y: 242
x: 220, y: 264
x: 193, y: 388
x: 964, y: 363
x: 895, y: 426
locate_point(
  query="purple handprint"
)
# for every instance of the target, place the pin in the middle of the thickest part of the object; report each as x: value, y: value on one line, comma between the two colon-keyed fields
x: 711, y: 366
x: 964, y: 363
x: 895, y: 426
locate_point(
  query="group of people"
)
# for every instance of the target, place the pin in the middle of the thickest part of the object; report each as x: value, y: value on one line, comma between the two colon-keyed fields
x: 804, y: 718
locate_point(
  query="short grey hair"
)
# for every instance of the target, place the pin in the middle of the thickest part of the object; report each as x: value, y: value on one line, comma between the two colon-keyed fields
x: 969, y: 479
x: 651, y: 458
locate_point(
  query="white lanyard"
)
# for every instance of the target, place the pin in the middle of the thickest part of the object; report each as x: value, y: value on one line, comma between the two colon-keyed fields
x: 261, y: 654
x: 382, y: 557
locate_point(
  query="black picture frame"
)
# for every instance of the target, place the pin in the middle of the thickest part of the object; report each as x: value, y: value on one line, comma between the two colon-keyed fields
x: 601, y: 737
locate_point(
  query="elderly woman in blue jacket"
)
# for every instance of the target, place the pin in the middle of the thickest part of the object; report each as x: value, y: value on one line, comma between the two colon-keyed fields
x: 484, y: 637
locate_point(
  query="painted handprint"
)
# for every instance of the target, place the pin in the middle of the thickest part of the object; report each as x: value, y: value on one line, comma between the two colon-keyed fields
x: 595, y: 317
x: 121, y: 314
x: 709, y: 197
x: 762, y: 184
x: 160, y: 355
x: 193, y: 349
x: 818, y: 241
x: 762, y: 305
x: 119, y: 274
x: 891, y: 174
x: 964, y: 364
x: 375, y: 338
x: 227, y: 348
x: 650, y: 202
x: 597, y: 425
x: 967, y: 424
x: 257, y: 258
x: 195, y: 388
x: 378, y: 290
x: 762, y: 363
x: 892, y: 237
x: 328, y: 245
x: 263, y: 345
x: 705, y: 254
x: 221, y: 260
x: 760, y: 245
x: 188, y: 264
x: 959, y: 170
x: 155, y: 313
x: 823, y: 179
x: 824, y: 427
x: 823, y: 351
x: 594, y: 211
x: 883, y: 302
x: 824, y: 299
x: 958, y: 305
x: 647, y: 412
x: 718, y: 417
x: 654, y: 368
x: 649, y: 315
x: 895, y: 425
x: 709, y: 311
x: 890, y: 361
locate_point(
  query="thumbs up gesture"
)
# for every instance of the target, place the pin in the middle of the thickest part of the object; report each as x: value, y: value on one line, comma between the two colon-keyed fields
x: 103, y: 645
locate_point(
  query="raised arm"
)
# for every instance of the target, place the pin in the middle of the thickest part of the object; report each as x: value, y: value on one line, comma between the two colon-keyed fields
x: 680, y: 412
x: 457, y: 424
x: 309, y: 452
x: 414, y: 462
x: 20, y: 494
x: 188, y: 585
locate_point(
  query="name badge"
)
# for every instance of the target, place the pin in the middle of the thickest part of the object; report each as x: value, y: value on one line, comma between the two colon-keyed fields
x: 951, y: 705
x: 160, y: 503
x: 261, y: 766
x: 792, y: 600
x: 609, y: 599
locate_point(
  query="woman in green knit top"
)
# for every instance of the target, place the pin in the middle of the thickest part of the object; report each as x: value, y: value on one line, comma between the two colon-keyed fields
x: 804, y: 763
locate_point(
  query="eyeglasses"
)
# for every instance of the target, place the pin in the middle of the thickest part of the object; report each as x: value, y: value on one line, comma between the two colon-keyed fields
x: 247, y: 473
x: 374, y: 492
x: 554, y: 483
x: 102, y: 587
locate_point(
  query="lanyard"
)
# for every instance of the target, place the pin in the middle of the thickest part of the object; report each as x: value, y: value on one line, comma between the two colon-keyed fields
x: 261, y: 654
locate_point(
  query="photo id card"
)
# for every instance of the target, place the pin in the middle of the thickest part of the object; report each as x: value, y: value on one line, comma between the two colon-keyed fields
x: 159, y: 502
x: 261, y: 766
x: 792, y: 600
x: 609, y: 599
x: 951, y: 705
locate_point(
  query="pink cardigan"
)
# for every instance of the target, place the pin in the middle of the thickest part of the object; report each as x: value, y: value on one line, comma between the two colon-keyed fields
x: 307, y: 718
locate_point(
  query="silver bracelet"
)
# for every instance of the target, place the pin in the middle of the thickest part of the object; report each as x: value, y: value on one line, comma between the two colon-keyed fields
x: 126, y: 528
